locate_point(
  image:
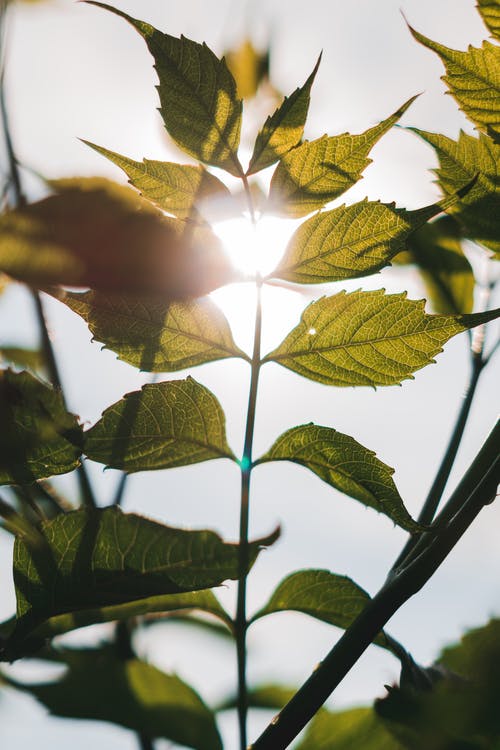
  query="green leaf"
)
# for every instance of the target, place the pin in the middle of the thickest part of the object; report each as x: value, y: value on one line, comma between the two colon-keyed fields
x: 473, y: 78
x: 368, y: 338
x: 269, y: 696
x: 98, y: 685
x: 284, y: 129
x: 459, y: 162
x: 154, y: 335
x: 179, y: 189
x: 344, y: 464
x: 349, y: 241
x: 173, y: 423
x: 357, y: 728
x: 326, y: 596
x: 94, y: 561
x: 437, y: 251
x: 39, y: 438
x: 31, y: 359
x: 198, y: 97
x: 316, y: 172
x: 98, y: 234
x: 490, y: 13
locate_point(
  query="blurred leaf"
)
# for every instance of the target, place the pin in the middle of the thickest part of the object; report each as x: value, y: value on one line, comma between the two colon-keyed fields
x: 316, y: 172
x: 460, y: 711
x: 100, y: 686
x: 98, y: 559
x: 199, y: 102
x: 179, y: 189
x: 154, y: 335
x: 269, y: 696
x: 437, y: 251
x: 99, y: 234
x: 39, y: 438
x: 284, y: 129
x: 355, y: 729
x: 490, y: 13
x: 344, y: 464
x: 326, y: 596
x: 32, y: 359
x: 473, y: 78
x: 248, y: 67
x: 459, y: 162
x: 349, y: 241
x: 173, y: 423
x: 368, y: 338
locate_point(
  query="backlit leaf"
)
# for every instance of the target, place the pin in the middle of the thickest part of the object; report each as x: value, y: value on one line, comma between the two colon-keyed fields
x: 154, y: 335
x: 283, y: 129
x: 459, y: 162
x: 349, y: 241
x: 473, y: 78
x: 316, y: 172
x: 179, y: 189
x: 38, y: 437
x: 167, y: 424
x: 490, y: 13
x: 368, y: 338
x: 349, y: 730
x: 249, y: 68
x: 94, y: 560
x: 31, y: 359
x: 344, y: 464
x: 437, y: 251
x: 326, y: 596
x: 198, y: 97
x: 99, y: 685
x: 96, y: 233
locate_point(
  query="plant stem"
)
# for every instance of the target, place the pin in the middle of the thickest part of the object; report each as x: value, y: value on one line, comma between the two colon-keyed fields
x: 241, y: 623
x: 477, y: 488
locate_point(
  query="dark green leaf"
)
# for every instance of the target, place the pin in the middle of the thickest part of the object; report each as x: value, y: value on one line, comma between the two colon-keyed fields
x: 317, y: 172
x: 490, y: 13
x: 38, y: 437
x: 368, y: 338
x: 459, y: 162
x: 355, y: 729
x: 270, y: 696
x: 167, y: 424
x: 92, y: 561
x: 284, y: 129
x: 32, y: 359
x: 349, y: 241
x: 326, y: 596
x: 99, y: 234
x: 154, y: 335
x: 473, y: 78
x: 344, y: 464
x: 199, y: 102
x: 100, y: 686
x: 179, y: 189
x: 437, y: 251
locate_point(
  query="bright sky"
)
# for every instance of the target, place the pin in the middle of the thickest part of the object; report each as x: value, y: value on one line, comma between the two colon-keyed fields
x: 75, y: 71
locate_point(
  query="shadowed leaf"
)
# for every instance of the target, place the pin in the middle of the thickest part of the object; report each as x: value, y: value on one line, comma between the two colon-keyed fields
x: 326, y: 596
x: 38, y: 437
x: 154, y: 335
x: 198, y: 97
x: 344, y: 464
x: 96, y: 233
x: 490, y: 13
x: 368, y: 338
x: 349, y: 730
x: 349, y: 241
x: 316, y: 172
x: 163, y: 425
x: 473, y: 78
x: 283, y: 129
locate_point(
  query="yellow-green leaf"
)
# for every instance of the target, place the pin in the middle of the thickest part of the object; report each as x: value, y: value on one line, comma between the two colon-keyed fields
x: 344, y: 464
x: 179, y: 189
x: 284, y: 129
x: 249, y: 68
x: 31, y: 359
x: 349, y: 241
x: 198, y: 97
x: 153, y: 335
x: 473, y: 78
x: 490, y: 13
x: 355, y: 729
x: 368, y: 338
x: 163, y: 425
x: 316, y: 172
